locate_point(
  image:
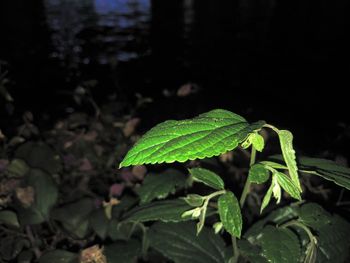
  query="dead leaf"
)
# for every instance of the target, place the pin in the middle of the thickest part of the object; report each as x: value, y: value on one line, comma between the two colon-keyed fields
x: 139, y: 171
x: 93, y: 254
x: 25, y: 195
x: 130, y: 126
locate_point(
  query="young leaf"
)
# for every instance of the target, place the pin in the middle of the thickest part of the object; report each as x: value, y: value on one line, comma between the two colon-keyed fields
x: 159, y: 186
x: 258, y: 174
x: 230, y: 214
x: 286, y: 141
x: 267, y: 198
x: 179, y: 243
x: 209, y: 134
x: 279, y: 245
x: 194, y: 200
x: 258, y: 142
x: 164, y: 210
x: 207, y: 177
x: 286, y: 183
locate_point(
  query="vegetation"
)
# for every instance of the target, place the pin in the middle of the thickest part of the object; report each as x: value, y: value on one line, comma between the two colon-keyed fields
x: 64, y: 200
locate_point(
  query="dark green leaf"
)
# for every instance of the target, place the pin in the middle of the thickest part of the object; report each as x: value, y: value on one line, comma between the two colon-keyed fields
x: 17, y: 168
x: 165, y: 210
x: 287, y: 184
x: 39, y: 155
x: 99, y: 222
x: 327, y: 169
x: 59, y: 256
x: 313, y: 215
x: 250, y: 251
x: 8, y: 217
x: 179, y: 243
x: 159, y: 186
x: 258, y: 174
x: 267, y: 198
x: 123, y: 252
x: 46, y: 194
x: 230, y: 214
x: 194, y: 200
x: 207, y: 177
x: 279, y: 245
x: 209, y: 134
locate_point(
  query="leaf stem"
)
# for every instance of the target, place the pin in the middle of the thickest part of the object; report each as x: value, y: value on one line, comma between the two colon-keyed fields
x: 235, y: 250
x: 246, y: 188
x: 302, y: 226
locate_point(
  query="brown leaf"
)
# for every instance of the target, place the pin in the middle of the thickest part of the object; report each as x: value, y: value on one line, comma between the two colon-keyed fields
x: 130, y: 126
x: 93, y: 254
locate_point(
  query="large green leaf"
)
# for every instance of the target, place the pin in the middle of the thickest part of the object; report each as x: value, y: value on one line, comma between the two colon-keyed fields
x: 286, y: 141
x: 164, y: 210
x: 327, y: 169
x: 209, y: 134
x: 179, y: 242
x: 279, y: 245
x: 159, y: 186
x: 207, y: 177
x: 230, y: 213
x: 45, y: 193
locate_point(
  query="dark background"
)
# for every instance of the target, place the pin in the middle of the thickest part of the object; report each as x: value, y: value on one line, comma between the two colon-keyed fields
x: 283, y: 61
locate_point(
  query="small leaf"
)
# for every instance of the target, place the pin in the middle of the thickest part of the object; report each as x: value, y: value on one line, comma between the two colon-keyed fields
x: 8, y: 217
x: 267, y: 198
x: 159, y: 186
x: 194, y: 200
x: 258, y: 174
x: 286, y: 141
x: 279, y: 245
x: 258, y: 142
x: 208, y: 178
x: 286, y: 183
x: 209, y: 134
x: 179, y: 243
x: 230, y: 214
x: 59, y: 256
x: 165, y: 210
x: 274, y: 165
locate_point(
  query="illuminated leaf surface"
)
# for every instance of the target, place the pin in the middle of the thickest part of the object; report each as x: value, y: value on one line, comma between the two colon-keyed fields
x: 208, y: 178
x: 286, y: 183
x: 258, y: 174
x: 209, y: 134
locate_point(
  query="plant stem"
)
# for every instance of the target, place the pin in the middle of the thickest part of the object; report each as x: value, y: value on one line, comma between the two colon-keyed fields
x: 246, y: 188
x: 302, y: 226
x: 245, y: 192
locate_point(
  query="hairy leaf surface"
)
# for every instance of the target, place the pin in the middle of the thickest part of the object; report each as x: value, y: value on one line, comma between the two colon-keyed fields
x: 209, y: 134
x: 258, y: 174
x: 207, y: 177
x: 179, y: 242
x: 287, y: 184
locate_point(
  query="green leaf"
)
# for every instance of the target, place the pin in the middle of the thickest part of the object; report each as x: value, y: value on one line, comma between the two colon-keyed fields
x: 159, y: 186
x: 286, y: 141
x: 258, y: 174
x: 327, y: 169
x: 286, y: 183
x: 208, y: 178
x: 258, y: 142
x: 39, y: 155
x: 209, y: 134
x: 8, y: 217
x: 123, y: 252
x: 59, y: 256
x: 99, y: 222
x: 230, y: 214
x: 279, y: 245
x: 313, y: 215
x: 46, y: 194
x: 17, y: 168
x: 179, y: 243
x: 267, y: 198
x: 164, y: 210
x: 75, y: 216
x: 250, y: 251
x: 194, y: 200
